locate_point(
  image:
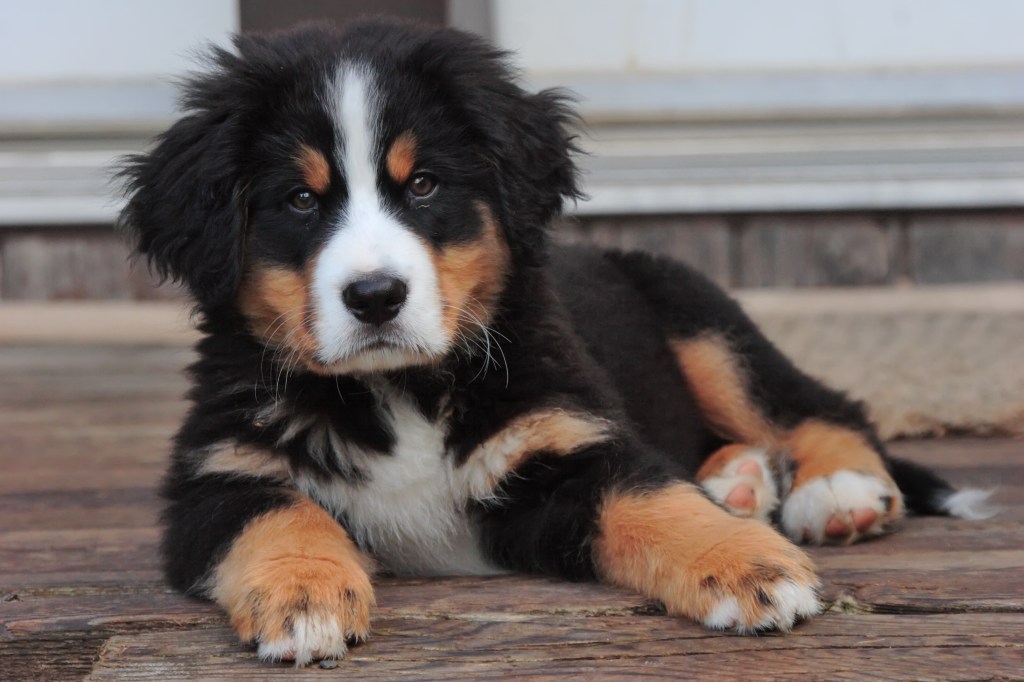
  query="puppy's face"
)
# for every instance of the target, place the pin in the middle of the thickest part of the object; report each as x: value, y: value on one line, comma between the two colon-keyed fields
x: 360, y: 199
x: 372, y: 239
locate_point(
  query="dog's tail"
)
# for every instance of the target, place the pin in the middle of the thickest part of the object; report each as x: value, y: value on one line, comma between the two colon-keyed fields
x: 924, y: 492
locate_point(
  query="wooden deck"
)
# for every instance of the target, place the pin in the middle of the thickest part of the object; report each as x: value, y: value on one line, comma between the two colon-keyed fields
x: 83, y: 441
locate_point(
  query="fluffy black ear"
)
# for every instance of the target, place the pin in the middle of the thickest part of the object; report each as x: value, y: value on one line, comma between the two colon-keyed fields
x: 527, y: 138
x: 185, y: 211
x: 533, y: 146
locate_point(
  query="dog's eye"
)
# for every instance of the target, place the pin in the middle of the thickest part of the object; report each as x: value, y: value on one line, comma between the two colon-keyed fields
x: 303, y: 200
x: 421, y: 185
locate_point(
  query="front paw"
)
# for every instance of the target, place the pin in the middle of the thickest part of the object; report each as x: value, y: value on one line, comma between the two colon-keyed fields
x: 304, y: 609
x: 675, y: 545
x: 754, y: 581
x: 294, y: 584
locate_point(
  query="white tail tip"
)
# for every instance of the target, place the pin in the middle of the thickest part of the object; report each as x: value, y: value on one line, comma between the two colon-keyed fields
x: 970, y: 504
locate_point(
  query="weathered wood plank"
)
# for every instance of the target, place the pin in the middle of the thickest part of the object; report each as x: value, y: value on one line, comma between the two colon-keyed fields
x: 946, y: 647
x: 702, y: 242
x: 78, y: 557
x: 30, y: 615
x: 82, y: 264
x: 911, y: 591
x: 816, y: 250
x: 90, y: 358
x: 411, y: 609
x: 935, y: 560
x: 989, y: 579
x: 71, y: 391
x: 111, y: 472
x: 113, y: 507
x: 85, y: 438
x: 446, y: 631
x: 931, y: 533
x: 966, y: 247
x: 61, y: 265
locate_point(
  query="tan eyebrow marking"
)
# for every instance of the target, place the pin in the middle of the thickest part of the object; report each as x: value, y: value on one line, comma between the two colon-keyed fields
x: 316, y: 172
x: 402, y: 157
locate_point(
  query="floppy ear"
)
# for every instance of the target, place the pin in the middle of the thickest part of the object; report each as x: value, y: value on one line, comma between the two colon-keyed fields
x: 532, y: 146
x: 526, y: 138
x: 185, y: 211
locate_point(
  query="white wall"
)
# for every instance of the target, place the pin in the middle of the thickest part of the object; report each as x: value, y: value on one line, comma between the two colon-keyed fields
x: 83, y: 82
x: 777, y: 105
x: 68, y: 41
x: 630, y: 36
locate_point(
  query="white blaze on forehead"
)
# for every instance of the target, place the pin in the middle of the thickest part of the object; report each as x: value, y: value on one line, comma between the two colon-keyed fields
x: 368, y: 238
x: 357, y: 117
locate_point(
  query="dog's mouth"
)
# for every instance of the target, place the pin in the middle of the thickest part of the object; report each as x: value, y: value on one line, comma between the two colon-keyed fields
x: 379, y: 344
x: 384, y: 348
x: 388, y: 336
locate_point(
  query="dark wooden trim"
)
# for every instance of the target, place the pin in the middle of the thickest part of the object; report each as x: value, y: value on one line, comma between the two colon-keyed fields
x: 272, y: 15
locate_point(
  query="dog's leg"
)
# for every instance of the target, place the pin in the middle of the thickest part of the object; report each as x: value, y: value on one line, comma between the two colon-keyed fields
x: 611, y: 510
x: 728, y: 573
x: 294, y: 583
x: 288, y: 575
x: 840, y: 488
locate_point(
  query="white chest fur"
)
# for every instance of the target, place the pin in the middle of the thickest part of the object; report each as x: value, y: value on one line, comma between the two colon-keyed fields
x: 411, y: 509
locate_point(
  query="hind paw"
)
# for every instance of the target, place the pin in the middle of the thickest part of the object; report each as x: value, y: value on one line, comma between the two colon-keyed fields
x: 841, y: 508
x: 744, y: 485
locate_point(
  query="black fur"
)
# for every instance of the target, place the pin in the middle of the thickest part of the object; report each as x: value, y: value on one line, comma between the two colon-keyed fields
x: 686, y: 304
x: 923, y: 491
x: 582, y: 331
x: 202, y: 517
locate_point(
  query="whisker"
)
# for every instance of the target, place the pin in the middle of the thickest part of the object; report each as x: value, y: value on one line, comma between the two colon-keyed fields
x: 490, y: 337
x: 274, y: 327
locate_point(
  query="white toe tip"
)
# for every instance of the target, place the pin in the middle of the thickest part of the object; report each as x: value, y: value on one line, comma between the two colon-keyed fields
x: 725, y: 615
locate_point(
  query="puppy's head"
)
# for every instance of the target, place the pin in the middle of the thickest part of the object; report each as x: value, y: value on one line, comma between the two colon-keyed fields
x: 360, y: 198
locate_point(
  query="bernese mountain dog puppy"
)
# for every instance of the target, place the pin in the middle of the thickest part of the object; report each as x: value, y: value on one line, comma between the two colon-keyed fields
x: 398, y: 373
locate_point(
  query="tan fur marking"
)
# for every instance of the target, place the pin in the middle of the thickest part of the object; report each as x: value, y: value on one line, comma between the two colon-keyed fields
x: 720, y: 458
x: 552, y: 431
x: 675, y: 545
x: 275, y: 302
x: 401, y: 158
x: 245, y: 460
x: 289, y: 561
x: 821, y: 449
x: 716, y: 378
x: 316, y: 171
x: 471, y: 276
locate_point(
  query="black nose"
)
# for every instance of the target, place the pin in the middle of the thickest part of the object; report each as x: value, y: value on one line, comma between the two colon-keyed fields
x: 375, y: 299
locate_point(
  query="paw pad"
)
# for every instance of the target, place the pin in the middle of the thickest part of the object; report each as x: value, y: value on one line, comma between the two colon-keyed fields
x: 742, y: 497
x: 745, y: 485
